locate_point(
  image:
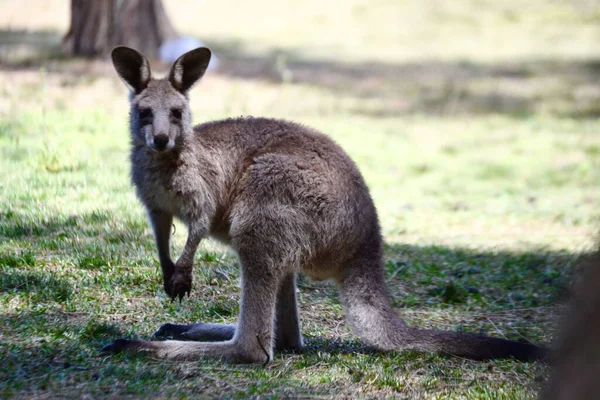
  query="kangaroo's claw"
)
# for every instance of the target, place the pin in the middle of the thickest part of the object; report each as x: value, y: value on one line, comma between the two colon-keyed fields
x: 178, y: 286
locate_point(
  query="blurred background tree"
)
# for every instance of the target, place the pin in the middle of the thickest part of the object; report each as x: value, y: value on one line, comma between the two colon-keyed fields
x: 97, y: 26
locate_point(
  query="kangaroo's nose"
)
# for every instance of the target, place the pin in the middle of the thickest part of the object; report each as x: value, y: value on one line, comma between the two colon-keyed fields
x: 161, y: 141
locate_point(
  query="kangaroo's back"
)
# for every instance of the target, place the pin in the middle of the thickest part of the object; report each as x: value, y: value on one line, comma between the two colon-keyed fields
x: 282, y: 168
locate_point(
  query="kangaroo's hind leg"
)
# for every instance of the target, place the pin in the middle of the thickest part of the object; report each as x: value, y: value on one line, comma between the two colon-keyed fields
x: 287, y: 324
x: 254, y: 337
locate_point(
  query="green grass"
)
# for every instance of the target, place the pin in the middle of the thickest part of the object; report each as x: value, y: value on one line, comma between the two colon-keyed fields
x: 475, y: 127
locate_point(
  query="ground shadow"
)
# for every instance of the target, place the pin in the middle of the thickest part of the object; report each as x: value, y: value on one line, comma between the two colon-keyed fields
x: 515, y: 289
x: 383, y: 89
x: 419, y: 276
x: 18, y: 225
x: 41, y: 286
x: 536, y: 277
x: 90, y: 241
x: 430, y: 86
x: 22, y: 48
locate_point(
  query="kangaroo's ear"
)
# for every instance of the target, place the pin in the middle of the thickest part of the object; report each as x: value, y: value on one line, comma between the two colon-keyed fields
x: 189, y: 68
x: 132, y: 67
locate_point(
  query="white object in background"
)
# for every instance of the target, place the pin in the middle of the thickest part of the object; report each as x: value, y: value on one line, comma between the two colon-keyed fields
x: 172, y: 49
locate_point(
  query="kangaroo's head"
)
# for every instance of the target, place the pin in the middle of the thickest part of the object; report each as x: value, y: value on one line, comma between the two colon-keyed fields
x: 160, y: 113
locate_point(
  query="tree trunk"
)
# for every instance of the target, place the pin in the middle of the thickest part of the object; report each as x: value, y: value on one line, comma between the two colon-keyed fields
x: 99, y: 25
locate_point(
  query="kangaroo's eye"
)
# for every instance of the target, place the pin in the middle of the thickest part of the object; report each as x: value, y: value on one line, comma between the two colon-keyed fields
x: 146, y: 116
x: 176, y: 113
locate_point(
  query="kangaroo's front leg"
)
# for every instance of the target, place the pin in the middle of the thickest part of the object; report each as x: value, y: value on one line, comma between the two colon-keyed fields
x: 181, y: 281
x: 287, y: 328
x: 253, y: 340
x: 161, y: 224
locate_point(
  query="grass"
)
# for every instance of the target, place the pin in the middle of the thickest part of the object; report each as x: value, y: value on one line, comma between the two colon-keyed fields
x: 475, y: 125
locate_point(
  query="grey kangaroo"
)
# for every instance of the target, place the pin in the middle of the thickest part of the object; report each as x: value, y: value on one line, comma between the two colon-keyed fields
x: 286, y: 199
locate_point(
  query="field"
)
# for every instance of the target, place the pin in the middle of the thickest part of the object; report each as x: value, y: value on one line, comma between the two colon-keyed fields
x: 475, y: 124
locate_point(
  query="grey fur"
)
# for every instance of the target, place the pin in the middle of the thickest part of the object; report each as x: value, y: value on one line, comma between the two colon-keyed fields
x: 576, y: 362
x: 287, y: 199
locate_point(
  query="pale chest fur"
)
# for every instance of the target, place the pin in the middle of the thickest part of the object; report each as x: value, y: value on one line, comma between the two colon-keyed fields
x: 174, y: 187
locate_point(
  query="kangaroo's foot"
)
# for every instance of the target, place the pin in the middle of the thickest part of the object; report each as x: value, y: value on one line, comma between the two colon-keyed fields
x: 285, y: 340
x: 199, y: 332
x: 238, y: 351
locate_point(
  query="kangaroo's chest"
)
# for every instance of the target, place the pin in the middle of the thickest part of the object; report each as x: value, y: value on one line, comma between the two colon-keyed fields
x: 168, y: 199
x: 166, y: 190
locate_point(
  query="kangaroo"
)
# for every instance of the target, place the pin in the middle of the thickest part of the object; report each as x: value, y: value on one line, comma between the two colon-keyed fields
x: 576, y: 361
x: 286, y: 199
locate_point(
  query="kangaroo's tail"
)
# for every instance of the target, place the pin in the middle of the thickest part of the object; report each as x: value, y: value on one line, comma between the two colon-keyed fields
x: 371, y: 316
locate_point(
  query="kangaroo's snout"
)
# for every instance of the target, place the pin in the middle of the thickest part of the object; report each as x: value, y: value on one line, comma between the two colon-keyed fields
x: 160, y: 142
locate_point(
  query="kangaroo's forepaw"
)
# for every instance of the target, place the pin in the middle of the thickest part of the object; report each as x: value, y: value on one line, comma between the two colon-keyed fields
x: 179, y: 285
